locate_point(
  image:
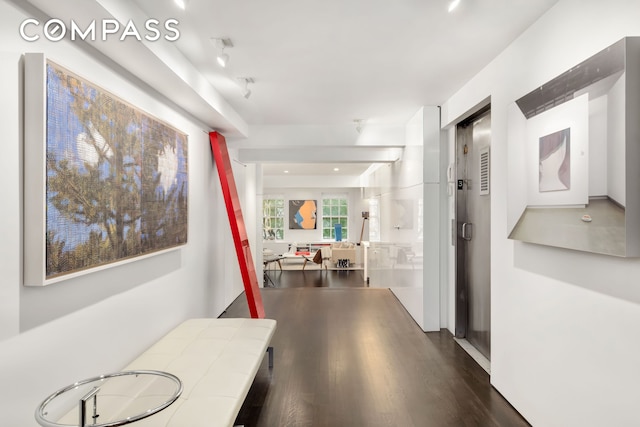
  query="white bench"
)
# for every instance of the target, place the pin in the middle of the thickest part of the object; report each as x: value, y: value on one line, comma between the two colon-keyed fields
x: 216, y: 360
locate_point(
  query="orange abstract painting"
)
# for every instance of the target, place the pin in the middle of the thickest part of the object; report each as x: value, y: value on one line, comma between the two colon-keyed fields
x: 302, y: 214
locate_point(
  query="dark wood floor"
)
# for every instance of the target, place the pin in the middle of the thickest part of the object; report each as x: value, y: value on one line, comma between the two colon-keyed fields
x: 315, y: 279
x: 354, y: 357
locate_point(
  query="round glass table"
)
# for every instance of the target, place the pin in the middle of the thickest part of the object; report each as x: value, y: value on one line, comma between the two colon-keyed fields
x: 110, y: 400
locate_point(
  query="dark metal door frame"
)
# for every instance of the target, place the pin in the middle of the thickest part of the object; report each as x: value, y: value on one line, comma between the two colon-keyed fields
x: 467, y: 187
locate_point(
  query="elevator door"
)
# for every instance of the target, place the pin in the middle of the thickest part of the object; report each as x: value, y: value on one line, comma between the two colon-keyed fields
x: 473, y: 211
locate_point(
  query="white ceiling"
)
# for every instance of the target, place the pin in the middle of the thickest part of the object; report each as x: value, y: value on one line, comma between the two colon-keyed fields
x: 315, y: 63
x: 314, y: 169
x: 333, y: 61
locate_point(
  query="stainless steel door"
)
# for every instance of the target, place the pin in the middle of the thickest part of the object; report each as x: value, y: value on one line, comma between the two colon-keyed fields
x: 473, y: 212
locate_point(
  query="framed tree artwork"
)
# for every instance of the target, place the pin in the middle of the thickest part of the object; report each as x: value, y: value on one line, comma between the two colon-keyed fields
x: 107, y: 182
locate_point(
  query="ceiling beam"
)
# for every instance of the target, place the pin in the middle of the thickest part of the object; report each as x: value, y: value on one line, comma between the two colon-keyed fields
x: 353, y: 154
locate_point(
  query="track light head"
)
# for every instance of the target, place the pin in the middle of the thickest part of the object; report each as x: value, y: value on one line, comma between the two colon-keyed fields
x: 453, y: 4
x: 246, y: 92
x: 222, y: 43
x: 358, y: 123
x: 223, y: 59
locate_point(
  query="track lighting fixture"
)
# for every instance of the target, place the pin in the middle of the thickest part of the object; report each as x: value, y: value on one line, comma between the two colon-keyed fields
x: 453, y: 4
x: 246, y: 92
x: 221, y: 44
x: 182, y: 4
x: 223, y: 58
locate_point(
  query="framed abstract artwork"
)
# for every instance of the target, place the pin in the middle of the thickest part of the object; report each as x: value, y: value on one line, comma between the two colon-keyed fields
x: 302, y: 214
x: 572, y: 151
x: 107, y: 183
x: 555, y: 161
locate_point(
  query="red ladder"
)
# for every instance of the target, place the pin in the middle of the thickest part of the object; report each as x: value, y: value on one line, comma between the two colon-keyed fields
x: 236, y: 221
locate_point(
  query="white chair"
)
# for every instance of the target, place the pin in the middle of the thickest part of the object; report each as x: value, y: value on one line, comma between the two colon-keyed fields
x: 325, y: 251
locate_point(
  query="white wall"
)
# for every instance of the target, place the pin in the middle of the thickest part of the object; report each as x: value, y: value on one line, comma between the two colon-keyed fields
x: 312, y: 181
x: 598, y: 146
x: 616, y: 167
x: 10, y: 219
x: 95, y: 324
x: 564, y: 347
x: 246, y: 179
x: 412, y: 181
x: 356, y: 206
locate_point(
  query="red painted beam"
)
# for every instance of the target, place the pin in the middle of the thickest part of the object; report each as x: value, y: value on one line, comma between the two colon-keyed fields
x: 236, y: 221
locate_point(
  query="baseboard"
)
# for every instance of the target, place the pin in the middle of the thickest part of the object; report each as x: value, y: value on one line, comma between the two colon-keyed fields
x: 475, y: 354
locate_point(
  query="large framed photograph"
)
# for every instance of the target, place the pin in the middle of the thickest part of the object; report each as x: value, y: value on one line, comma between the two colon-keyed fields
x: 105, y: 183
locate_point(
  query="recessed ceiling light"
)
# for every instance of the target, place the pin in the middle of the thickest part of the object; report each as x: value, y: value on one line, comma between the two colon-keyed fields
x: 182, y: 4
x: 286, y: 171
x: 453, y: 4
x: 336, y: 169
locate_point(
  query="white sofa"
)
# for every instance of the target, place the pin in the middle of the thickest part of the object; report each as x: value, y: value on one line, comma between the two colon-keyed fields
x: 343, y: 250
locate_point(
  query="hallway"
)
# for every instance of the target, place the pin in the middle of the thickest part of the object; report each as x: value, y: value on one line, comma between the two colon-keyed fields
x: 354, y: 357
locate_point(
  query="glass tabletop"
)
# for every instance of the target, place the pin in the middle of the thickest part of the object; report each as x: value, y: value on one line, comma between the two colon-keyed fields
x: 110, y: 400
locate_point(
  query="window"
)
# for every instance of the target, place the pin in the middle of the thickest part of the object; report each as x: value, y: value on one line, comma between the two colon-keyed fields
x: 335, y: 210
x: 273, y: 218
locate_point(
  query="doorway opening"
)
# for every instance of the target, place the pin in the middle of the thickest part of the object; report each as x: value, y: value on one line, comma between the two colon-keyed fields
x: 473, y: 232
